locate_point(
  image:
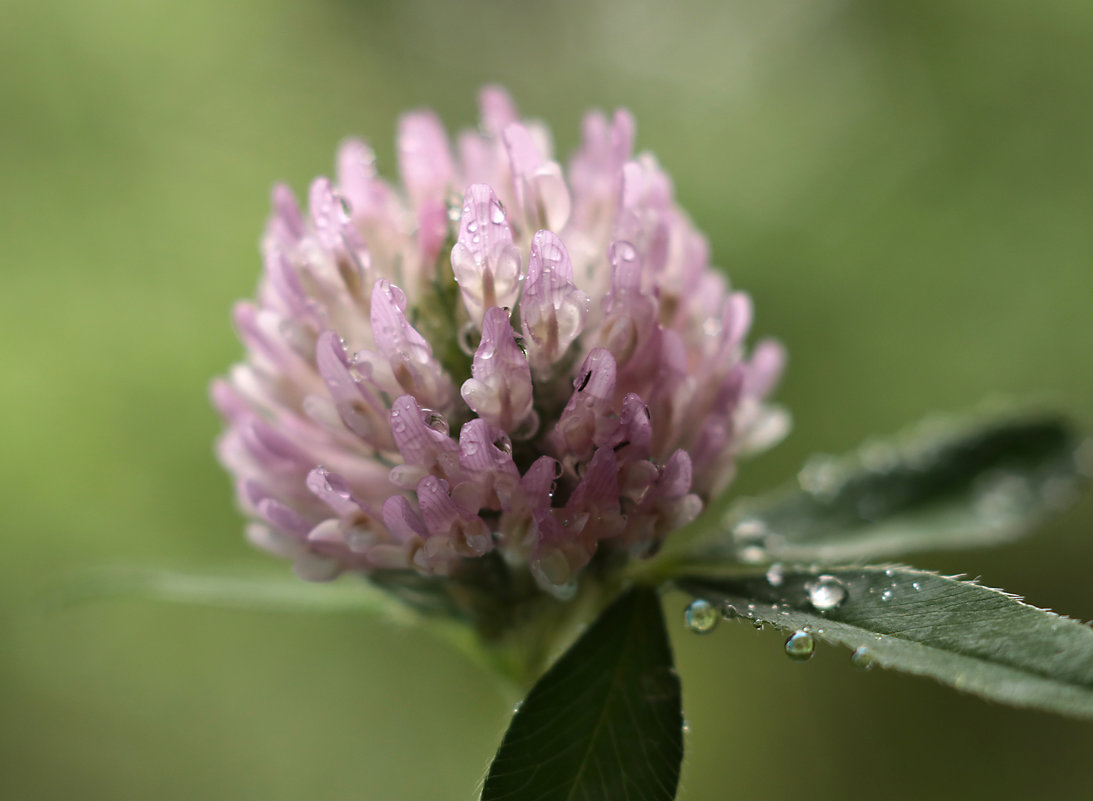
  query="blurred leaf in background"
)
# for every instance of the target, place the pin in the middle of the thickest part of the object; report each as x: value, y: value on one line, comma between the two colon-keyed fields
x: 904, y: 188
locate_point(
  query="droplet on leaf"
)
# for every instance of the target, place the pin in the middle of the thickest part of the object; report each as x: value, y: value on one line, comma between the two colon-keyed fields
x: 701, y: 616
x: 800, y: 645
x: 862, y: 658
x: 826, y: 593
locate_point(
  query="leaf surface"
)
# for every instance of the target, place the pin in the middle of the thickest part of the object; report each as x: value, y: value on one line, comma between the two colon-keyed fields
x: 244, y: 590
x: 976, y: 639
x: 941, y: 486
x: 605, y: 722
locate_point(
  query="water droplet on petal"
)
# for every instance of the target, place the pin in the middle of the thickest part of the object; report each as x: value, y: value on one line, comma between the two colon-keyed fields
x: 624, y: 250
x: 862, y: 658
x: 800, y: 646
x: 435, y: 421
x: 701, y: 616
x: 826, y: 593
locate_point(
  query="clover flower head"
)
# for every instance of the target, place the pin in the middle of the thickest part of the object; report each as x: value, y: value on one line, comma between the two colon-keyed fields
x: 500, y: 362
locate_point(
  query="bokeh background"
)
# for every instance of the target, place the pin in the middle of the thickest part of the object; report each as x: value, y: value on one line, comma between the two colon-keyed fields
x: 905, y: 188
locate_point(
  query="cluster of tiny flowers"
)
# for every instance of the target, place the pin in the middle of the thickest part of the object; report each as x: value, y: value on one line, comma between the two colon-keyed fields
x: 501, y: 356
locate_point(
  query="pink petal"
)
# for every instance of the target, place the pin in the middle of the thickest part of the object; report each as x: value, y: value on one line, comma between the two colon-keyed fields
x: 357, y: 404
x: 538, y: 184
x: 552, y: 309
x: 409, y: 354
x: 497, y: 109
x: 425, y: 161
x: 500, y: 389
x: 484, y: 259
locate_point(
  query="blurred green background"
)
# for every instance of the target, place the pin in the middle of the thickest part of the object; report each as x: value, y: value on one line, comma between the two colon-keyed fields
x: 905, y: 188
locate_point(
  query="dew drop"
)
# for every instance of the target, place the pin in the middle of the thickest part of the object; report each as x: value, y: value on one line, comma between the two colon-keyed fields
x: 749, y: 529
x: 800, y: 645
x: 752, y: 554
x: 497, y: 213
x: 886, y: 595
x: 862, y: 658
x: 750, y: 536
x: 686, y: 728
x: 435, y: 421
x: 624, y: 251
x: 701, y: 616
x: 776, y: 575
x: 757, y: 625
x: 826, y: 593
x: 917, y: 586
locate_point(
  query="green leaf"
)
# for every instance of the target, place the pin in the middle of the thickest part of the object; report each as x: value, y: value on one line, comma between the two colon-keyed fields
x: 976, y: 639
x: 254, y: 591
x: 605, y: 722
x: 941, y: 486
x: 248, y: 590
